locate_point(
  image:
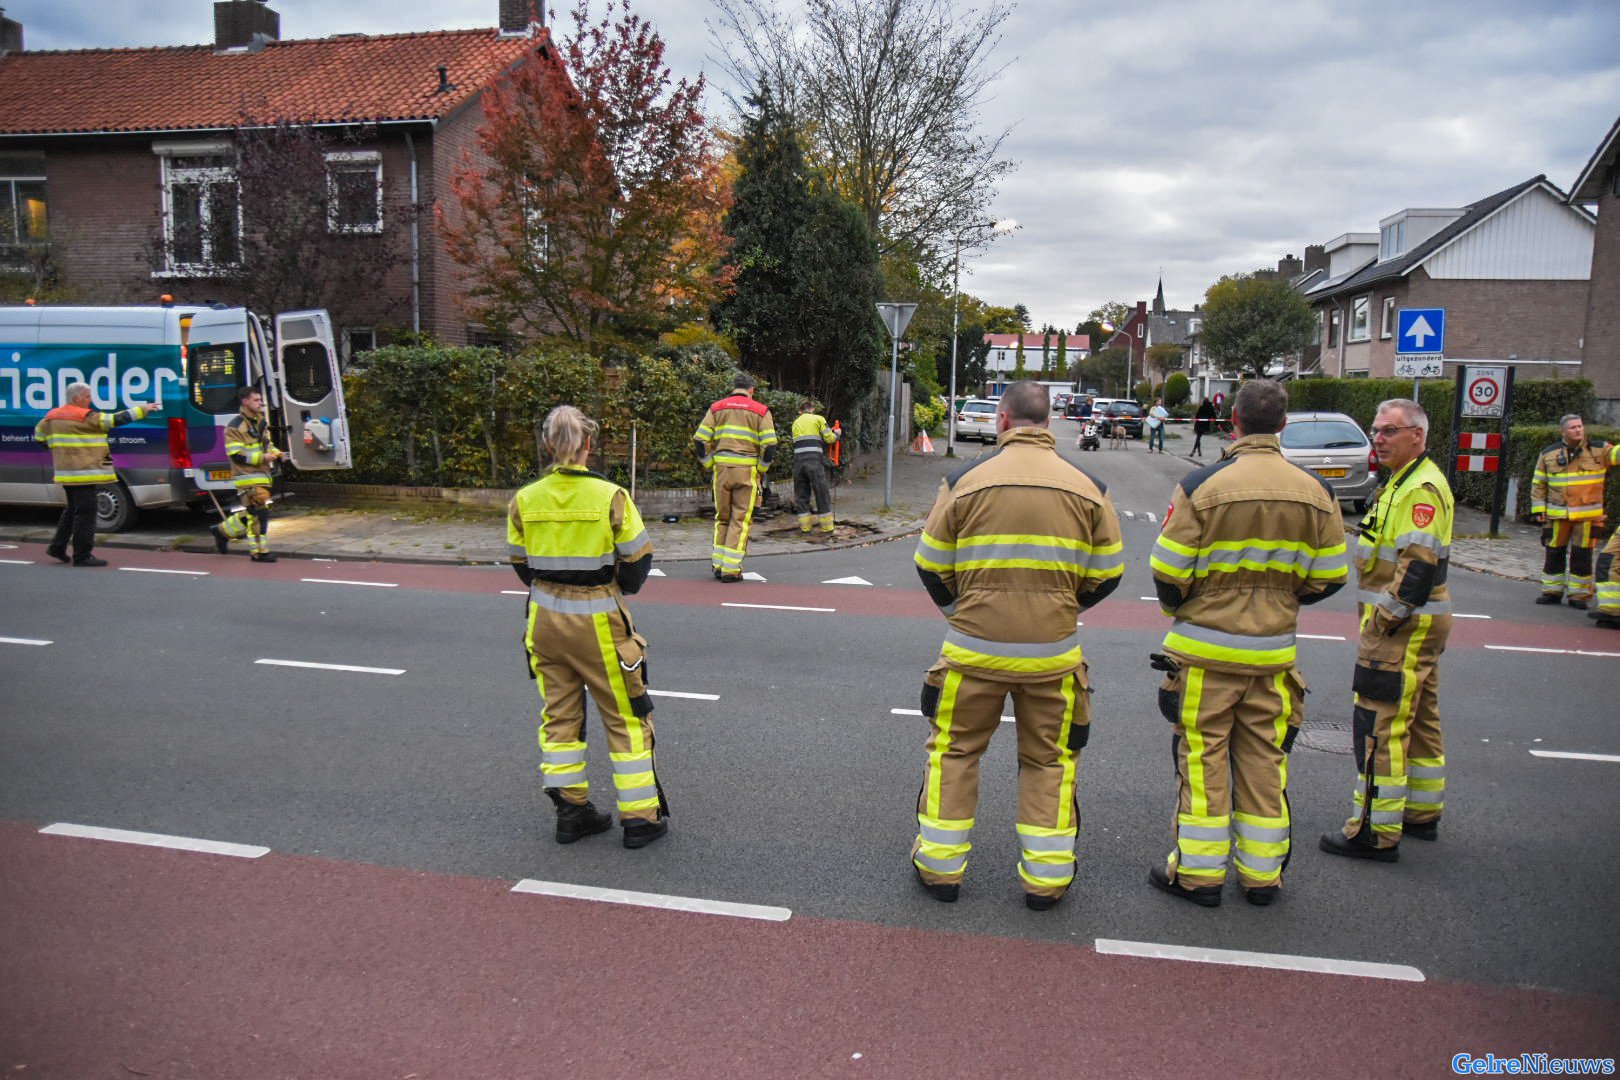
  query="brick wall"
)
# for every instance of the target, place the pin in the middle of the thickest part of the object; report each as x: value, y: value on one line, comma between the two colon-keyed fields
x: 1602, y: 327
x: 1490, y: 320
x: 104, y: 205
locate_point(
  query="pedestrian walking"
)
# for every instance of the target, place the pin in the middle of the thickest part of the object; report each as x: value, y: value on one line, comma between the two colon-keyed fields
x: 81, y: 462
x: 738, y: 441
x: 1016, y: 545
x: 1401, y: 560
x: 1156, y: 417
x: 1203, y: 423
x: 1566, y: 499
x: 253, y: 457
x: 577, y: 541
x: 812, y: 498
x: 1245, y: 542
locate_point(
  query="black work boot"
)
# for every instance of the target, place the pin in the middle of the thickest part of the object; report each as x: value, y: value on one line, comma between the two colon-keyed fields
x: 1037, y: 902
x: 1263, y: 895
x: 59, y: 554
x: 575, y: 821
x: 1203, y: 895
x: 944, y: 892
x: 1423, y: 830
x: 1578, y: 605
x: 638, y: 834
x: 88, y: 560
x: 1550, y: 598
x: 262, y: 556
x: 1336, y: 843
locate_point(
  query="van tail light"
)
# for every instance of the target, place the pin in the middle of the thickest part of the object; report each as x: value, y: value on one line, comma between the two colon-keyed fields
x: 1372, y: 460
x: 179, y: 449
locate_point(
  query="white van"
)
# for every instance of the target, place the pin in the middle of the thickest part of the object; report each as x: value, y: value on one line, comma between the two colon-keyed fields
x: 195, y: 359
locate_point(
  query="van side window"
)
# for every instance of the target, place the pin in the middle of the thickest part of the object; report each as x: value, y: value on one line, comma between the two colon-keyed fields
x: 308, y: 371
x: 217, y: 373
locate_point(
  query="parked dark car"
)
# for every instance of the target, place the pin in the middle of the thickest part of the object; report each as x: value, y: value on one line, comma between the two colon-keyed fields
x: 1074, y: 408
x: 1124, y: 412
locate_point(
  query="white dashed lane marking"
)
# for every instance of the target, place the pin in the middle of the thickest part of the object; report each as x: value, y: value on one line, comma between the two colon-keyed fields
x: 779, y: 607
x: 1321, y: 637
x: 343, y: 581
x: 18, y: 562
x: 178, y: 843
x: 332, y: 667
x: 1276, y: 961
x: 918, y: 712
x: 22, y: 641
x: 1550, y: 652
x: 1570, y: 755
x: 653, y: 900
x: 152, y: 570
x: 1460, y: 615
x: 684, y: 694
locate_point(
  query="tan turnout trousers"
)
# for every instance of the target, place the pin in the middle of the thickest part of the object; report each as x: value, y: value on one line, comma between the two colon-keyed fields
x: 1053, y: 719
x: 1400, y: 756
x: 1231, y: 742
x: 581, y: 638
x: 735, y: 492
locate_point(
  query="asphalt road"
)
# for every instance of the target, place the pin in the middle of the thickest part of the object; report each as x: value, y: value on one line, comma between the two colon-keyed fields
x: 415, y: 795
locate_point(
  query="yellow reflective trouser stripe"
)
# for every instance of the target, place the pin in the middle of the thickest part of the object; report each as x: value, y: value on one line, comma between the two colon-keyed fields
x: 1046, y: 856
x: 559, y: 766
x: 942, y: 843
x: 633, y: 729
x: 1067, y: 757
x: 1195, y: 739
x: 942, y: 739
x: 1426, y: 782
x: 1280, y: 684
x: 1262, y: 846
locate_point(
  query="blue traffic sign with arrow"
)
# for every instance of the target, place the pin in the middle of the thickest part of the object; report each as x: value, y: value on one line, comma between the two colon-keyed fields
x: 1421, y: 331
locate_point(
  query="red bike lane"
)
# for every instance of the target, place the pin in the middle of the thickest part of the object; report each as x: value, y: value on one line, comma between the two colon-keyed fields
x: 122, y: 961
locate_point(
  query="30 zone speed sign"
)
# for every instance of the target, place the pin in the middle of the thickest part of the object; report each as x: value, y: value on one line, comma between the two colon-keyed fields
x: 1482, y: 391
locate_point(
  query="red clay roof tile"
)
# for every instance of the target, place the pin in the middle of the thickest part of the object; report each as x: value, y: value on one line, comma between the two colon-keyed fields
x: 352, y: 78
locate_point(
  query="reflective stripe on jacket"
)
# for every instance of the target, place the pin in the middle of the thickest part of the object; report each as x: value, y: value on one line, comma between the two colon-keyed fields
x: 1244, y: 543
x: 736, y: 431
x: 247, y: 444
x: 77, y: 438
x: 811, y: 435
x: 1568, y: 483
x: 1015, y: 545
x: 1404, y: 548
x: 572, y: 527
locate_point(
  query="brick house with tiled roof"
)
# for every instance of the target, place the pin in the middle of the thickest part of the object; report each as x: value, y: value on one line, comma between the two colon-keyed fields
x: 1598, y: 186
x: 101, y: 150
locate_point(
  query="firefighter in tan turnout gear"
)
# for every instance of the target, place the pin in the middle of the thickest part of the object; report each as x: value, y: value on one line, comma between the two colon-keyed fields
x: 82, y: 463
x: 1608, y: 583
x: 1016, y: 545
x: 578, y: 542
x: 1401, y: 559
x: 253, y: 456
x: 1245, y: 542
x: 1566, y: 498
x: 738, y: 440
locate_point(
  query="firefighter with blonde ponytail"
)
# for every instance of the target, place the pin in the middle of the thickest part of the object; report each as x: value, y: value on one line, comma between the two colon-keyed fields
x: 579, y: 544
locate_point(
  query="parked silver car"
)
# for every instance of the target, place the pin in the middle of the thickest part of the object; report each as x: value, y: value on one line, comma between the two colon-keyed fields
x: 1333, y: 446
x: 976, y: 419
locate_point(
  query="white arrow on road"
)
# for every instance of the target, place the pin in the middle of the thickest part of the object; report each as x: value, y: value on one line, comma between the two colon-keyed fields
x: 847, y: 581
x: 1420, y: 331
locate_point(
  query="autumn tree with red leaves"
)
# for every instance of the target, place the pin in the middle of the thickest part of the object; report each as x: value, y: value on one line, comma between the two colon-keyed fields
x: 595, y: 213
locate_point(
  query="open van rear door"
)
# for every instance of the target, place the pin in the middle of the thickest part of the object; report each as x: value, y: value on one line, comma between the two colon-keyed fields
x: 311, y: 391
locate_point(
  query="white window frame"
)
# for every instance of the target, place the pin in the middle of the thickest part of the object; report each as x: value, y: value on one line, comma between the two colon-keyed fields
x: 1386, y: 326
x: 1360, y: 316
x: 170, y: 154
x: 1334, y: 328
x: 352, y: 158
x: 348, y: 342
x: 20, y: 177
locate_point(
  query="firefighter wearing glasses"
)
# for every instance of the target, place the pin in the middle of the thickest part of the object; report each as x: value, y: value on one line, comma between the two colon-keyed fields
x: 1566, y: 498
x: 1016, y: 545
x: 1401, y: 560
x: 1245, y: 542
x: 578, y: 542
x: 738, y: 440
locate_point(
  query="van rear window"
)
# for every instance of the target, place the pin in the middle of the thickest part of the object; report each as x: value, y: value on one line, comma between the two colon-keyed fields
x: 308, y: 370
x: 217, y: 373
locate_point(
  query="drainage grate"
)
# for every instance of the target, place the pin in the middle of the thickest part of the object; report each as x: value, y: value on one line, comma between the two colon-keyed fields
x: 1325, y: 737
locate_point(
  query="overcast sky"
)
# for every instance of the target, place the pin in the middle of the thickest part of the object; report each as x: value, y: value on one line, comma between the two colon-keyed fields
x: 1193, y: 136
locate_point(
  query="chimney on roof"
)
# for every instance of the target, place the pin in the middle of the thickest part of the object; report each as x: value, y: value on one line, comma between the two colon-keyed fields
x: 1289, y: 267
x: 248, y: 24
x: 519, y: 17
x: 445, y: 85
x: 1315, y: 258
x: 10, y: 34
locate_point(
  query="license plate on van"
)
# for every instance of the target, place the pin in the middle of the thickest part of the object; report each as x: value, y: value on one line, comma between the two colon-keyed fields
x: 225, y: 474
x: 1332, y: 472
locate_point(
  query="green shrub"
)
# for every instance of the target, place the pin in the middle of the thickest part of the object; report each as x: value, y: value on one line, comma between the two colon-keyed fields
x: 927, y: 416
x: 1177, y: 389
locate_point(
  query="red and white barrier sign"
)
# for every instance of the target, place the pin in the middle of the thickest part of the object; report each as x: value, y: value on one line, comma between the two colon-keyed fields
x: 1479, y: 440
x: 1478, y: 462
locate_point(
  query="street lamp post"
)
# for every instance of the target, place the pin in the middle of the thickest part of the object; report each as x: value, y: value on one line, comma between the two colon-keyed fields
x: 1007, y: 225
x: 1112, y: 329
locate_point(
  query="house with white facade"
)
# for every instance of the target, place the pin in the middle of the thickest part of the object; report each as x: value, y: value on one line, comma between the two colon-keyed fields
x: 1002, y: 359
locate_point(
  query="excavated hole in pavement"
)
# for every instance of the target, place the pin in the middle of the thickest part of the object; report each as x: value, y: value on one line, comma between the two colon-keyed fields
x: 1326, y: 737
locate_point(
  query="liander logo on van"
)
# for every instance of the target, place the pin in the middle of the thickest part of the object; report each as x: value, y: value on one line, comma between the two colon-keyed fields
x: 36, y: 380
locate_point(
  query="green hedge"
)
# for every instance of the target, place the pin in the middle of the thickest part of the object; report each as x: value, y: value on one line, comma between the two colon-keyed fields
x: 470, y: 417
x: 1537, y: 406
